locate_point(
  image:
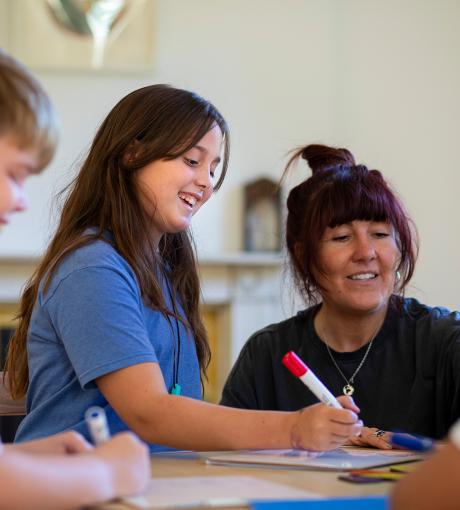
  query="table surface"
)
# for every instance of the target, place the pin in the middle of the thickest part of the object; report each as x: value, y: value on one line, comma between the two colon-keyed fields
x: 326, y: 483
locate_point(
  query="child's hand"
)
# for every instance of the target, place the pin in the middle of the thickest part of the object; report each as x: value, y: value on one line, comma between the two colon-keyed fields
x: 128, y: 462
x: 69, y: 442
x: 320, y: 427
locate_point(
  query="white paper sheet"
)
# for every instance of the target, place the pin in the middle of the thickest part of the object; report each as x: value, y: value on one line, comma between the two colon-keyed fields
x: 212, y: 491
x: 340, y: 459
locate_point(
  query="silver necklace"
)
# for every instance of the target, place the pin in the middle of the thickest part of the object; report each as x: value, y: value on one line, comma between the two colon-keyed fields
x: 349, y: 389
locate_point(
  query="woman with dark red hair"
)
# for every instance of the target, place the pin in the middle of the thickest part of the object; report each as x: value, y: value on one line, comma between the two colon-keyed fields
x: 352, y: 251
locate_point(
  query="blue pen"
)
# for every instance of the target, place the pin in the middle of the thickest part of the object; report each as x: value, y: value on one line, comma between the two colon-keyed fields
x: 412, y: 442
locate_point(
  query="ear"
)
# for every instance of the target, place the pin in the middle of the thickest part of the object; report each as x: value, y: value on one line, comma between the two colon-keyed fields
x: 132, y: 152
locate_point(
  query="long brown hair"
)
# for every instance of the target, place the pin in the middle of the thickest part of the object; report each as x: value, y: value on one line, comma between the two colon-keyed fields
x: 161, y: 122
x: 340, y: 191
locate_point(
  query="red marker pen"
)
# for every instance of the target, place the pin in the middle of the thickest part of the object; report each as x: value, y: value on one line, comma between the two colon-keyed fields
x: 298, y: 368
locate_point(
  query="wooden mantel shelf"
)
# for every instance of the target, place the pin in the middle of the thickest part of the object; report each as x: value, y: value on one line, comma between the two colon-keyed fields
x: 220, y: 259
x: 14, y: 271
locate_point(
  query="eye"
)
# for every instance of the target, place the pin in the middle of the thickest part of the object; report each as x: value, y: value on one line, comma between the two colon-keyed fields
x: 381, y: 233
x: 17, y: 179
x: 191, y: 162
x: 341, y: 238
x: 213, y: 168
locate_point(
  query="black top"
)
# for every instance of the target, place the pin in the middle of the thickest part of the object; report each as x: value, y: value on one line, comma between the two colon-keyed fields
x: 409, y: 381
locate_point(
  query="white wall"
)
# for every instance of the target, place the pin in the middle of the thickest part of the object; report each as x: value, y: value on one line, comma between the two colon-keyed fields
x: 397, y: 102
x: 380, y: 78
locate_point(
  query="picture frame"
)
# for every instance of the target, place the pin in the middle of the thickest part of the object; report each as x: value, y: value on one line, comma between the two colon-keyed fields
x: 262, y: 216
x: 39, y: 40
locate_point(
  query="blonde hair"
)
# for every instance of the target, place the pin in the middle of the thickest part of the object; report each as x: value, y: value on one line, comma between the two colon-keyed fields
x: 26, y: 112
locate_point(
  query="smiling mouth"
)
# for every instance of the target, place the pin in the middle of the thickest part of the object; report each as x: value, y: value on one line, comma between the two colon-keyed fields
x: 363, y: 277
x: 189, y: 200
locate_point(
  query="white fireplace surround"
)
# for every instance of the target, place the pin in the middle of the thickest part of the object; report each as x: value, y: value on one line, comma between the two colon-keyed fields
x: 244, y: 289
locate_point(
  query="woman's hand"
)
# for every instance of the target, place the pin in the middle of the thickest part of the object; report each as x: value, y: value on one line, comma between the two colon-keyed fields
x: 320, y: 427
x: 64, y: 443
x: 371, y: 436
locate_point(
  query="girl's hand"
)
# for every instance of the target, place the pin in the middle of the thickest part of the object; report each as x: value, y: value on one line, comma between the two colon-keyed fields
x: 320, y: 427
x: 69, y: 442
x: 127, y: 462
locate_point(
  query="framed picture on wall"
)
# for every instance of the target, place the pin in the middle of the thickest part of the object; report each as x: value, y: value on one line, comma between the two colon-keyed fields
x: 110, y: 35
x: 262, y: 216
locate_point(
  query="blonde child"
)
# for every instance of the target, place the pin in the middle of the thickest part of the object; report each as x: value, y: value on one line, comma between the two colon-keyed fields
x: 62, y: 471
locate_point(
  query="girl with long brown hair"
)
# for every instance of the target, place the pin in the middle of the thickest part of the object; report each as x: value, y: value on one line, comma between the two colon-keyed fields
x: 111, y: 317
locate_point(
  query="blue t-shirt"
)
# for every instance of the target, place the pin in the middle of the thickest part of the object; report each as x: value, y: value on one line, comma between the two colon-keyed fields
x: 92, y: 321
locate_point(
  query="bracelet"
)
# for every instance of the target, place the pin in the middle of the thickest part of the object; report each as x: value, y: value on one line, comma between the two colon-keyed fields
x: 454, y: 434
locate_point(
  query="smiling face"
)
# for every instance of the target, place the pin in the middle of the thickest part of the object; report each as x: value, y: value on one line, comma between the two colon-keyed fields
x: 173, y: 190
x: 16, y: 164
x: 358, y: 262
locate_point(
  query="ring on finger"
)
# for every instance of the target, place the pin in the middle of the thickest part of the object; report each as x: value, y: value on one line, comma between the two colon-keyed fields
x: 379, y: 433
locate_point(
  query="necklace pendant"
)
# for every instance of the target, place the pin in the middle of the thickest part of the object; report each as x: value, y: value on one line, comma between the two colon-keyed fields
x: 348, y: 390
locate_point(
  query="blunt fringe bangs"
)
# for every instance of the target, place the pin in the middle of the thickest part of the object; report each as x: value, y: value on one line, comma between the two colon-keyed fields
x: 334, y: 196
x: 349, y: 196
